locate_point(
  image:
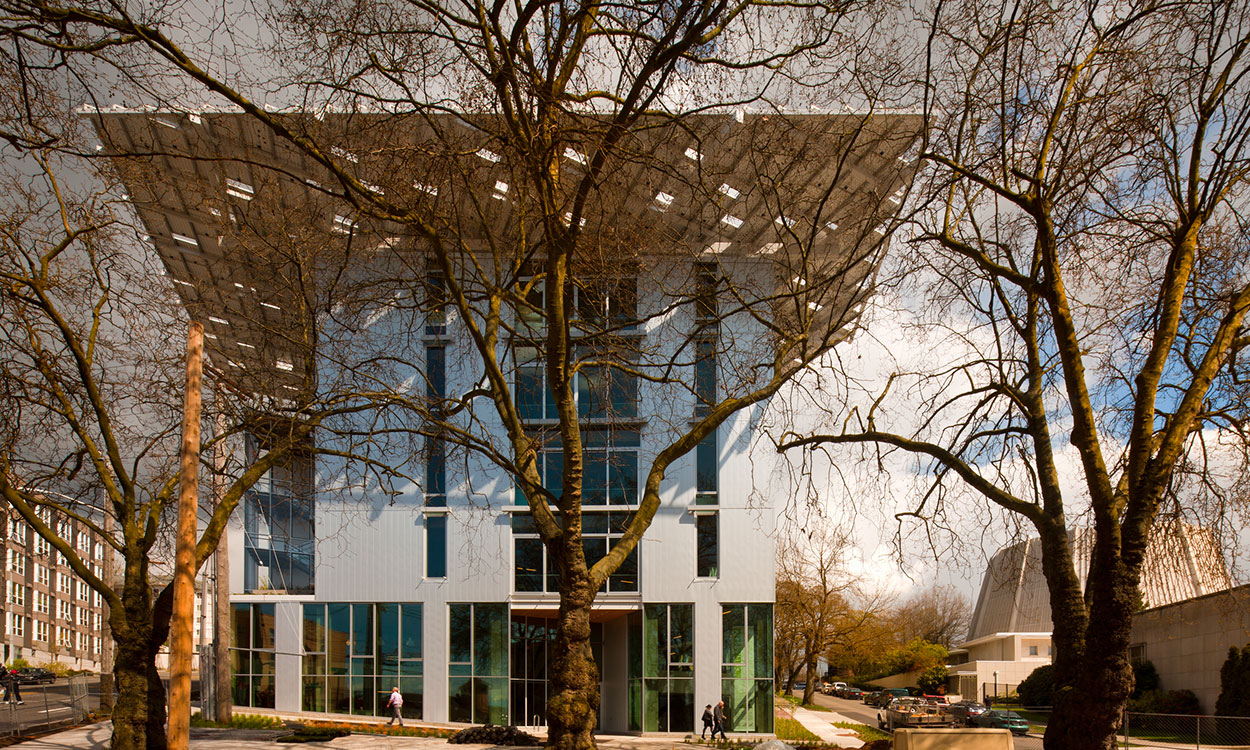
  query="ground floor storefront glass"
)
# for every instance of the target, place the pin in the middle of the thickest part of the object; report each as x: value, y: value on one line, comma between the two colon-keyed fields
x: 661, y: 669
x: 252, y: 655
x: 499, y: 662
x: 477, y: 679
x: 747, y: 666
x: 353, y: 654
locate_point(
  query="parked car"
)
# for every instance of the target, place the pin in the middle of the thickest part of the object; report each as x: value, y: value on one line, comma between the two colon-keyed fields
x: 885, y: 696
x: 826, y: 688
x: 35, y: 676
x: 800, y: 686
x: 871, y: 696
x: 1009, y: 720
x: 852, y: 693
x: 965, y: 711
x: 913, y: 712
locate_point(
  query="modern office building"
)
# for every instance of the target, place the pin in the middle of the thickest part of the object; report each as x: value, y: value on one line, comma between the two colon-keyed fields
x: 441, y: 586
x: 1010, y: 634
x: 50, y: 614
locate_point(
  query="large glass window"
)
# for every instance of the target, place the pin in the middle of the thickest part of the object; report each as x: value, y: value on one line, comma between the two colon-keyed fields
x: 609, y: 467
x: 661, y: 669
x: 353, y: 654
x: 747, y: 666
x: 601, y: 392
x: 477, y: 670
x: 252, y: 654
x: 534, y: 572
x: 279, y: 525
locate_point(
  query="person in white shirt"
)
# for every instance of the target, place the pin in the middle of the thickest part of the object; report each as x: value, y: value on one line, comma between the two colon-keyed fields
x: 396, y: 702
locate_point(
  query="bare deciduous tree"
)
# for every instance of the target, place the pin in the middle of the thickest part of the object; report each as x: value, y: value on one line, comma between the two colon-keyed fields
x: 821, y: 605
x: 1082, y: 237
x: 939, y: 614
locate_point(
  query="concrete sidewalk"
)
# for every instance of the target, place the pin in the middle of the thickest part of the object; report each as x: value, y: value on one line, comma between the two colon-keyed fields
x: 821, y: 724
x: 96, y: 737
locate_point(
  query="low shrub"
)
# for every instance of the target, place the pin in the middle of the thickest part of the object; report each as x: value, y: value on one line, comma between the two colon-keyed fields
x: 405, y: 731
x: 314, y: 734
x: 1038, y: 689
x: 1166, y: 702
x: 239, y: 721
x: 490, y: 734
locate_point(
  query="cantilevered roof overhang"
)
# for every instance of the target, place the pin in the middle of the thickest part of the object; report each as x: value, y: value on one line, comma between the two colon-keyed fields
x: 811, y: 194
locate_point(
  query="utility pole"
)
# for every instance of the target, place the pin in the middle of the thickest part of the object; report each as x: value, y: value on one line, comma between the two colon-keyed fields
x: 223, y: 689
x: 182, y: 620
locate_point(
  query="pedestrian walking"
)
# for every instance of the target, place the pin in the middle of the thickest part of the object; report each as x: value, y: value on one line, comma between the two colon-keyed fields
x: 708, y: 722
x: 396, y: 703
x: 718, y: 721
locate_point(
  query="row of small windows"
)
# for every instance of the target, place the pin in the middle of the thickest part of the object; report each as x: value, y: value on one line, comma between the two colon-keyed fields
x: 17, y: 625
x: 18, y: 595
x: 19, y: 532
x: 66, y: 583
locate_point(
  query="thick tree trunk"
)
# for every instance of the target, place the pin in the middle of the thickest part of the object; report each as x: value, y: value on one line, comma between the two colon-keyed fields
x: 156, y: 735
x: 810, y: 675
x: 130, y: 712
x: 573, y: 709
x: 1092, y: 689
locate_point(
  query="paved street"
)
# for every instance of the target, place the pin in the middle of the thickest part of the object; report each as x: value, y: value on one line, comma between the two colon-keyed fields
x: 43, y: 704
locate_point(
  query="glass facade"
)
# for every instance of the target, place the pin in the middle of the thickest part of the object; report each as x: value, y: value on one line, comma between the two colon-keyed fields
x: 353, y: 654
x: 278, y: 522
x: 747, y: 666
x: 661, y: 669
x: 477, y: 670
x: 252, y: 654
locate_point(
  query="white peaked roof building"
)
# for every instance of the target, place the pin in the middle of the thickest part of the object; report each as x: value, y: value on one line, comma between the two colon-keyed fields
x: 1010, y: 633
x: 441, y: 586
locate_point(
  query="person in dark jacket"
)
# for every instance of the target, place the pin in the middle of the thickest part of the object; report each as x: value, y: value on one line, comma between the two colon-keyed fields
x: 718, y: 721
x: 12, y: 688
x: 708, y: 722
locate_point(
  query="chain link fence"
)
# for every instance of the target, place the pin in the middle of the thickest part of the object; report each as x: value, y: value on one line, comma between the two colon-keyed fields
x: 1175, y: 730
x: 1178, y: 731
x: 37, y: 708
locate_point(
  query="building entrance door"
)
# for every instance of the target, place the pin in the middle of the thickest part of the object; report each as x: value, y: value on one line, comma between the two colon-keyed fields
x: 533, y: 640
x: 533, y: 645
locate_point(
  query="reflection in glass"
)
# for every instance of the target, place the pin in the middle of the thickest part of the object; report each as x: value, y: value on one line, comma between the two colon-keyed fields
x: 436, y: 546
